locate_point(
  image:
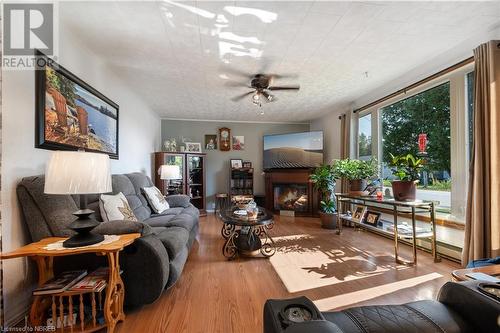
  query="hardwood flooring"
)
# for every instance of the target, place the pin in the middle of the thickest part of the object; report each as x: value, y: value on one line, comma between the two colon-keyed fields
x: 216, y: 295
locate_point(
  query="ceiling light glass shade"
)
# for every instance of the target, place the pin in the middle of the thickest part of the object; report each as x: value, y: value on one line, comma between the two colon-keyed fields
x: 75, y: 172
x: 256, y: 97
x: 170, y: 172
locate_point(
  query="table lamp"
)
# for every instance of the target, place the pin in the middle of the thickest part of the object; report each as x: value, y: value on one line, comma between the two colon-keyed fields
x: 82, y: 173
x: 170, y: 172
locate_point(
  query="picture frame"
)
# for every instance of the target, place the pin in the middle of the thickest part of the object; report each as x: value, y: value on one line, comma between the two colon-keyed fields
x: 247, y: 164
x: 224, y: 139
x: 238, y: 142
x: 210, y: 141
x: 236, y: 163
x: 358, y: 213
x: 193, y: 147
x: 72, y: 115
x: 372, y: 218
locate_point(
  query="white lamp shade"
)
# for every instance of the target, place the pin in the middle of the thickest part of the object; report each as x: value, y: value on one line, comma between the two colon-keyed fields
x: 75, y: 172
x: 170, y: 172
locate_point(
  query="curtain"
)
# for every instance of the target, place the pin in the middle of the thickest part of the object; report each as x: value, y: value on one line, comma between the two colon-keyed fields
x: 344, y: 145
x: 482, y: 230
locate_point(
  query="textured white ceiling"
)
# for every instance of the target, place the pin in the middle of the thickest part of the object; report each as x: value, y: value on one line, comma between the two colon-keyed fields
x: 179, y: 56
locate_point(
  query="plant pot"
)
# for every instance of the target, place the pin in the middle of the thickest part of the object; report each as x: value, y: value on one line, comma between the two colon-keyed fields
x: 357, y: 186
x: 404, y: 190
x: 328, y: 220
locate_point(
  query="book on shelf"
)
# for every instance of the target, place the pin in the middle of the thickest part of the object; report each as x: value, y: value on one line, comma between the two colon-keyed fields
x: 406, y: 229
x: 95, y: 281
x: 60, y: 283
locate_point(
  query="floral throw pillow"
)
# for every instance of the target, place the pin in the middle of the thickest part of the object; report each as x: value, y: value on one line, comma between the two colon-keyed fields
x: 156, y: 199
x: 115, y: 207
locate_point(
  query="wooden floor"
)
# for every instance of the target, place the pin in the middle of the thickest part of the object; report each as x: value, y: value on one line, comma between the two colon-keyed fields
x: 216, y: 295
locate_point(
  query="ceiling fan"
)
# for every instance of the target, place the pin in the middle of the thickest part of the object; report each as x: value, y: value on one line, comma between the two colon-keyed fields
x: 262, y: 86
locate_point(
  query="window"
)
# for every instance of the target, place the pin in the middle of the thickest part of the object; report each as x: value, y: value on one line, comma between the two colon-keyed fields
x: 402, y: 122
x: 442, y: 109
x: 365, y: 137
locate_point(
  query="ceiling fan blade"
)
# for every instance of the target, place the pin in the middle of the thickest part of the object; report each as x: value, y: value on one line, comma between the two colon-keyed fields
x: 240, y: 97
x: 236, y: 84
x: 236, y: 72
x: 284, y: 76
x: 285, y: 88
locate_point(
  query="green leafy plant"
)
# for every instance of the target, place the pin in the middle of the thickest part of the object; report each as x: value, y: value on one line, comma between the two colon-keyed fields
x: 356, y: 169
x: 406, y: 167
x: 328, y: 206
x: 324, y: 180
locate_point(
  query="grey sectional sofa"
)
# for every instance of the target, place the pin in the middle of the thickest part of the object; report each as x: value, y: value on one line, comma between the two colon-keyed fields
x: 152, y: 263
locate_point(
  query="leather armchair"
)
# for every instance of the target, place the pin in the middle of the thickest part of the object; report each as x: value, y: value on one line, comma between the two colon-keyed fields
x: 460, y: 307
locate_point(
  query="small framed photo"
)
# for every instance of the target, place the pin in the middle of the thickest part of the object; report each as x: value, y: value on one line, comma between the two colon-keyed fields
x: 247, y: 164
x: 193, y: 147
x: 372, y: 218
x: 358, y: 213
x: 236, y: 164
x: 210, y: 141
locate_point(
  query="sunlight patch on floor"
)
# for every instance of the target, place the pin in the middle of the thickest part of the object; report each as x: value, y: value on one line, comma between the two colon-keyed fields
x: 305, y: 262
x: 334, y: 302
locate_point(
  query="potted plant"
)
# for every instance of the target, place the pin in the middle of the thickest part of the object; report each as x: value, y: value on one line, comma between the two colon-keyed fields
x: 407, y: 169
x: 356, y: 172
x: 324, y: 180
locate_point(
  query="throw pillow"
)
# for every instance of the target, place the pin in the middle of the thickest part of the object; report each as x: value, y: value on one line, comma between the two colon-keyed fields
x: 115, y: 207
x: 156, y: 199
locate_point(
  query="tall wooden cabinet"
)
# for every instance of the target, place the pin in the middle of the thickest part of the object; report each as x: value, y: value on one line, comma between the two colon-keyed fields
x: 189, y: 178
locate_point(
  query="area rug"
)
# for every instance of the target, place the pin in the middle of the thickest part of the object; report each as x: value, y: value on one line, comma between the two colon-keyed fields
x: 306, y: 262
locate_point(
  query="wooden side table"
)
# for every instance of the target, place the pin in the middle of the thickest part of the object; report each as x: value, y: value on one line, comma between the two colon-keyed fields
x: 461, y: 274
x: 115, y: 293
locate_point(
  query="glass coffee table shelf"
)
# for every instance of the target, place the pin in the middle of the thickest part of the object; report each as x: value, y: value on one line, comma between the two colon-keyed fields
x: 247, y: 236
x: 386, y: 228
x: 346, y: 202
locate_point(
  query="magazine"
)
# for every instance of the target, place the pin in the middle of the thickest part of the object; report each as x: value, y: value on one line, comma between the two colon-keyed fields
x: 60, y: 283
x: 94, y: 281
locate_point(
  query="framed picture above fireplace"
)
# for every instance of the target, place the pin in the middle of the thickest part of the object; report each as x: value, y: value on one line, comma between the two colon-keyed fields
x: 72, y: 115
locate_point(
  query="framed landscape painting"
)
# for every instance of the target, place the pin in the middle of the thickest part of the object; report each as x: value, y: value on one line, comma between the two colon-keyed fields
x: 71, y: 115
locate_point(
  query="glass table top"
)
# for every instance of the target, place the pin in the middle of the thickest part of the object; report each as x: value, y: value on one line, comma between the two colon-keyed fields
x: 229, y: 216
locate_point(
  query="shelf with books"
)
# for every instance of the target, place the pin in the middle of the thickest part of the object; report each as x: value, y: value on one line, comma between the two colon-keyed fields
x: 404, y: 232
x: 82, y: 311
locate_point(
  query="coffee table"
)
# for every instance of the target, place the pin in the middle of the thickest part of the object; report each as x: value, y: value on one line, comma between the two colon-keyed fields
x: 460, y: 274
x: 247, y: 236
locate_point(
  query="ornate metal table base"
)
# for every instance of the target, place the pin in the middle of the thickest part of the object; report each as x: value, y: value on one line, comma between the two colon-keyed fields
x: 247, y: 239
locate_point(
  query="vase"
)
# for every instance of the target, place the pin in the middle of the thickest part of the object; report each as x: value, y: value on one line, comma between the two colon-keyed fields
x: 357, y: 186
x: 404, y: 190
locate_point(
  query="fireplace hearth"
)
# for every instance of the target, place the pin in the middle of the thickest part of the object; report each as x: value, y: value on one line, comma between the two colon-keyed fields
x: 289, y: 190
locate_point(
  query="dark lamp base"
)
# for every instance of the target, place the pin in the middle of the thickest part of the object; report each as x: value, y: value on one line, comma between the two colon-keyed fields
x: 83, y: 226
x: 83, y: 239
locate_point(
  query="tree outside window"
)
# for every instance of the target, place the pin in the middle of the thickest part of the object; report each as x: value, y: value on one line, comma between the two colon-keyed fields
x: 402, y: 122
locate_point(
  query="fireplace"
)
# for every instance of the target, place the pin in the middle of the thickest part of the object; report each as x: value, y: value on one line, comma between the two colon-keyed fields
x: 289, y: 190
x: 290, y: 197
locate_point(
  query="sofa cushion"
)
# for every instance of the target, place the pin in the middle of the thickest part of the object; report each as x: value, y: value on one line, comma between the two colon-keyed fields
x: 155, y: 199
x: 178, y: 200
x: 124, y: 184
x: 171, y: 211
x: 159, y: 220
x: 56, y: 210
x: 185, y: 221
x: 174, y: 239
x: 116, y: 207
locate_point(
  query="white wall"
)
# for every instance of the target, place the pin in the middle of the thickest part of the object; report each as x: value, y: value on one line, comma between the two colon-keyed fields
x: 217, y: 162
x: 139, y: 129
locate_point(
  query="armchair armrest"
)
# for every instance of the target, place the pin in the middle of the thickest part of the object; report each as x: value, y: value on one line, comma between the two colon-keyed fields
x: 120, y: 227
x: 178, y: 200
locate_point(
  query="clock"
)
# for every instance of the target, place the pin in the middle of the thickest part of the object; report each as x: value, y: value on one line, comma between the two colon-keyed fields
x: 224, y: 139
